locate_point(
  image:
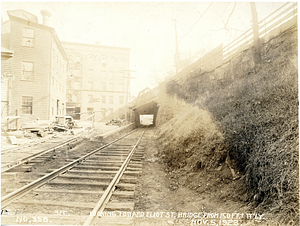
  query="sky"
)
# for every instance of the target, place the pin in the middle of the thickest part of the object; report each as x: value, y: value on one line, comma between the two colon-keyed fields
x: 148, y: 29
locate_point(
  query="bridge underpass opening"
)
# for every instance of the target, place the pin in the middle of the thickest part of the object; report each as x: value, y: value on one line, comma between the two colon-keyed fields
x: 145, y: 104
x: 146, y: 120
x: 150, y: 108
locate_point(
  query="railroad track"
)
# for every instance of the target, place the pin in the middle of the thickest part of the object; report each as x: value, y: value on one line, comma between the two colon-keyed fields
x: 101, y: 180
x: 31, y: 157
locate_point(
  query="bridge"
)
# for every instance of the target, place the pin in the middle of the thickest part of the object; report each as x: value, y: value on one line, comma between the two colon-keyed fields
x: 275, y: 23
x: 145, y: 104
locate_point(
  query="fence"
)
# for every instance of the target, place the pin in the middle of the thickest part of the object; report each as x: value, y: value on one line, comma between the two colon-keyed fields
x: 278, y: 21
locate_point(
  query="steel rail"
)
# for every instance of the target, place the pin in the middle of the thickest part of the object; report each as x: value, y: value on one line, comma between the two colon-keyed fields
x: 19, y: 162
x: 31, y: 143
x: 6, y: 200
x: 108, y: 192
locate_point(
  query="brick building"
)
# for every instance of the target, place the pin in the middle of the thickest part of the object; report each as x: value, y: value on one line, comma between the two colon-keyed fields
x: 39, y: 66
x: 98, y: 80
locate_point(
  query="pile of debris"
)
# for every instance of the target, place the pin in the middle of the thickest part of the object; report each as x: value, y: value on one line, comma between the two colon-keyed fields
x: 41, y: 128
x: 116, y: 122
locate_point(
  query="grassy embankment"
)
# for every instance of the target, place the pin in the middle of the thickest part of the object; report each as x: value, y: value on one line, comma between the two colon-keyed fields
x: 251, y: 114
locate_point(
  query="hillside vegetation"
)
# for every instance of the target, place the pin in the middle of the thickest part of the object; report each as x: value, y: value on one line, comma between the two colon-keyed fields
x: 242, y: 113
x: 192, y: 137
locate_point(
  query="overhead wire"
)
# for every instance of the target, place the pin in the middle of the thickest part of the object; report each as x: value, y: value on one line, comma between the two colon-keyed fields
x: 229, y: 31
x: 195, y: 23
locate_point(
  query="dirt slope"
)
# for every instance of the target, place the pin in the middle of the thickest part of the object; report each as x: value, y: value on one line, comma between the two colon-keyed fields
x: 174, y: 194
x: 246, y: 121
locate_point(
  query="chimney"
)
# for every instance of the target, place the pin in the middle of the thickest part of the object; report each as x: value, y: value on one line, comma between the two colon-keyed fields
x: 46, y: 14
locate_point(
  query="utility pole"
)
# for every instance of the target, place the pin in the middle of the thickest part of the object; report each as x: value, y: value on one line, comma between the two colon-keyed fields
x: 177, y: 56
x: 256, y: 54
x: 128, y: 83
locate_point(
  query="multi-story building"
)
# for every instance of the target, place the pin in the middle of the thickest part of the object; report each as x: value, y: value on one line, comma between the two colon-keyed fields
x: 98, y: 81
x: 39, y: 66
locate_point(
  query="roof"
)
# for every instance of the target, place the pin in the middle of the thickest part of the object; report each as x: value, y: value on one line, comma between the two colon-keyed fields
x: 5, y: 50
x: 6, y: 53
x: 93, y: 45
x: 31, y: 23
x: 20, y: 13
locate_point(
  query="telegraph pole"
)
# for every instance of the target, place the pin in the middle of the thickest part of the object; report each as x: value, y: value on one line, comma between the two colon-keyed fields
x: 256, y: 54
x: 177, y: 57
x: 128, y: 83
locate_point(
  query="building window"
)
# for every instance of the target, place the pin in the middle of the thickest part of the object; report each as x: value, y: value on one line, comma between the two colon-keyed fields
x: 111, y: 87
x: 121, y: 99
x: 78, y: 63
x: 103, y: 86
x: 28, y: 37
x: 110, y: 99
x: 77, y: 73
x: 121, y: 86
x: 27, y: 105
x: 78, y: 66
x: 90, y: 86
x: 104, y: 62
x: 91, y: 74
x: 77, y: 85
x: 111, y: 62
x: 69, y: 97
x: 103, y: 99
x: 27, y: 71
x: 104, y: 74
x: 75, y: 98
x: 103, y: 111
x: 78, y: 59
x: 122, y: 75
x: 52, y: 106
x: 111, y: 75
x: 111, y: 112
x: 91, y: 98
x: 122, y: 63
x: 91, y: 62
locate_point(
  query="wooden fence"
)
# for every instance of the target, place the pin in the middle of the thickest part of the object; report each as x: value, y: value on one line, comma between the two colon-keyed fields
x: 278, y: 21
